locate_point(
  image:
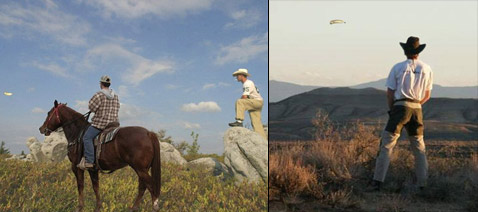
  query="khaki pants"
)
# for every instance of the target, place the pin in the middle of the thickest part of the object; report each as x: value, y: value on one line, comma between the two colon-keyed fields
x: 411, y: 119
x: 254, y: 107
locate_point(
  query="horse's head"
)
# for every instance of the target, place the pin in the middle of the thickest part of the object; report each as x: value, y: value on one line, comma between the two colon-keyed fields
x: 52, y: 121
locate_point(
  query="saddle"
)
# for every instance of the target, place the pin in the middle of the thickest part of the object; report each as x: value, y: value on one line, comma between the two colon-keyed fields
x: 107, y: 135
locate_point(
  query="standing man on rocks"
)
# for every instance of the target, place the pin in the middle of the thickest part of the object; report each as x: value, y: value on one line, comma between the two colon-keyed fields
x: 250, y: 101
x: 409, y: 87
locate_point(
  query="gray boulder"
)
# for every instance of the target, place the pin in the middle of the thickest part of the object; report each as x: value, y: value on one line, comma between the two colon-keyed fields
x: 170, y: 154
x: 36, y: 154
x: 55, y: 147
x: 246, y: 154
x: 212, y: 165
x: 17, y: 157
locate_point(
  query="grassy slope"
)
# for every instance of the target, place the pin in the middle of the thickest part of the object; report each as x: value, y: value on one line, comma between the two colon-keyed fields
x: 26, y: 186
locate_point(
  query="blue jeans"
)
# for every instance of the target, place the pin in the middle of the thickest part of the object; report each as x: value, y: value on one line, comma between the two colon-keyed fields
x: 90, y: 134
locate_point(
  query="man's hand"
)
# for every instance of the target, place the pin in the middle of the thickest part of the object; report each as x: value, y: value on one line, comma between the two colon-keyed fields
x: 427, y: 97
x: 244, y: 97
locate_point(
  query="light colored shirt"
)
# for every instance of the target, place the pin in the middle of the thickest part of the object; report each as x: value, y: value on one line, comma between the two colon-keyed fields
x: 250, y: 90
x: 410, y: 79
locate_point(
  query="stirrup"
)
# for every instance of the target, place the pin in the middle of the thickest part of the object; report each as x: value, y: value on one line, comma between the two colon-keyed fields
x: 81, y: 165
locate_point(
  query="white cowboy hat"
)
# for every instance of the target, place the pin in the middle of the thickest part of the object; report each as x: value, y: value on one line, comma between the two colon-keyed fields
x: 241, y: 71
x: 105, y: 79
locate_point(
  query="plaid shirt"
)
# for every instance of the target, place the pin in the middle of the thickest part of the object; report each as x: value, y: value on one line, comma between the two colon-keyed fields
x: 106, y: 110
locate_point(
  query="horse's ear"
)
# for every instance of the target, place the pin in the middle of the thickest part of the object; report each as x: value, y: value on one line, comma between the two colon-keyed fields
x: 56, y: 103
x: 66, y: 103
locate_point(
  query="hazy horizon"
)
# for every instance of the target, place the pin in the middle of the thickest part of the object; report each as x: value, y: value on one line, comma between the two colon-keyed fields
x: 305, y: 49
x: 360, y: 84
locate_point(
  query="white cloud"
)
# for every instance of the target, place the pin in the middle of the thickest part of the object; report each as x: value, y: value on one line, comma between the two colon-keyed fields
x: 134, y: 115
x: 244, y: 19
x: 208, y: 85
x: 201, y: 107
x: 50, y: 4
x: 214, y: 85
x: 123, y: 91
x: 30, y: 20
x: 127, y: 112
x: 172, y: 87
x: 160, y: 8
x: 141, y: 68
x: 81, y: 106
x: 244, y: 50
x: 223, y: 84
x: 52, y: 68
x: 38, y: 110
x: 189, y: 125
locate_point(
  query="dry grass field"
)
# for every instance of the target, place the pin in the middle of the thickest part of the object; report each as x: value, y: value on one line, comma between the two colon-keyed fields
x: 333, y: 172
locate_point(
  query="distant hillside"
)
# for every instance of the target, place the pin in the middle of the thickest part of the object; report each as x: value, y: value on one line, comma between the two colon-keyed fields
x: 291, y: 118
x: 438, y: 90
x: 281, y: 90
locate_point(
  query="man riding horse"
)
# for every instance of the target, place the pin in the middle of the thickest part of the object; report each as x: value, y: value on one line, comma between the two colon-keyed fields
x: 132, y: 146
x: 105, y: 105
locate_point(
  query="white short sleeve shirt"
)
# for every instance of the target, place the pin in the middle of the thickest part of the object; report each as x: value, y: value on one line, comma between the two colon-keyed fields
x: 410, y: 79
x: 249, y: 89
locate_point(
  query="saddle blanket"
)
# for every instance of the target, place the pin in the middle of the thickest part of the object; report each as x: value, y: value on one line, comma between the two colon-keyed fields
x: 105, y: 137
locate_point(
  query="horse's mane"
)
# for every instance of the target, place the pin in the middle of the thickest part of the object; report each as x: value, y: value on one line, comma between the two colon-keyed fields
x: 73, y: 112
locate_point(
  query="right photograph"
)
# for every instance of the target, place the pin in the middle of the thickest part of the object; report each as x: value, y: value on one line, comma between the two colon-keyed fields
x: 373, y: 106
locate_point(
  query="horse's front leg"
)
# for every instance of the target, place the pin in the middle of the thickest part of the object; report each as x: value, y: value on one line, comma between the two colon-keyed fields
x: 96, y: 184
x: 80, y: 180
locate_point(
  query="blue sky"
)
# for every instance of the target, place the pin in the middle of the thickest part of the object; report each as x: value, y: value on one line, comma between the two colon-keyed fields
x: 170, y: 62
x: 307, y: 50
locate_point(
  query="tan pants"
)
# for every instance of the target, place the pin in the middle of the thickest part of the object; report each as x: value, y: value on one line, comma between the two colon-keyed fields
x: 386, y: 147
x: 255, y: 108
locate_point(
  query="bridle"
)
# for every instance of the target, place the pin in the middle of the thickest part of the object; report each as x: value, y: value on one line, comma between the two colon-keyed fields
x: 55, y: 112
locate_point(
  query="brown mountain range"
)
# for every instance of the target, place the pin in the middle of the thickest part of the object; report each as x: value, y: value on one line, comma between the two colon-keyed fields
x: 445, y: 118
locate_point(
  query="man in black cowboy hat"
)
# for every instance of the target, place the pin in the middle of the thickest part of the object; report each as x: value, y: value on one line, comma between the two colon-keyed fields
x: 409, y: 87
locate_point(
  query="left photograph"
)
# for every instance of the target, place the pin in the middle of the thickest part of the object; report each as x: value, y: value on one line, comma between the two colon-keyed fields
x: 134, y: 106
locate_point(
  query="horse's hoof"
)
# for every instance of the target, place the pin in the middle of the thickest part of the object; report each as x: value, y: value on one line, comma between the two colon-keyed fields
x: 156, y: 205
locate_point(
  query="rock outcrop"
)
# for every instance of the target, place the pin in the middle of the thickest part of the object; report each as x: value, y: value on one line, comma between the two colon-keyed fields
x: 171, y: 154
x: 245, y: 154
x: 212, y: 165
x: 54, y: 147
x: 36, y: 154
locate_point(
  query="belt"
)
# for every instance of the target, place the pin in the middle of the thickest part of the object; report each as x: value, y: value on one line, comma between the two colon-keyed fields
x: 407, y: 100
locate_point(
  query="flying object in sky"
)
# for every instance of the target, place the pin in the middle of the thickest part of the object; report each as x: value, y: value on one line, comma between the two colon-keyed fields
x: 7, y: 93
x: 337, y: 21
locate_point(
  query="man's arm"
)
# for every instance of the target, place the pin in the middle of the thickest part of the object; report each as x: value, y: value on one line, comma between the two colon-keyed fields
x: 94, y: 103
x: 390, y: 98
x: 427, y: 96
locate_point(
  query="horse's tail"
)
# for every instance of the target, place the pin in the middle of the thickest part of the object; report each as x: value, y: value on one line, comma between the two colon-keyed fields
x: 156, y: 166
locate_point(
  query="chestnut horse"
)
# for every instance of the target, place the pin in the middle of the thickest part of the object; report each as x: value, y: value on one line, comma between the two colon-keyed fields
x: 133, y: 146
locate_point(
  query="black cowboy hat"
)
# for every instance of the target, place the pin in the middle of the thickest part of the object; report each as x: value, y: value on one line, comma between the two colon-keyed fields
x: 412, y: 46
